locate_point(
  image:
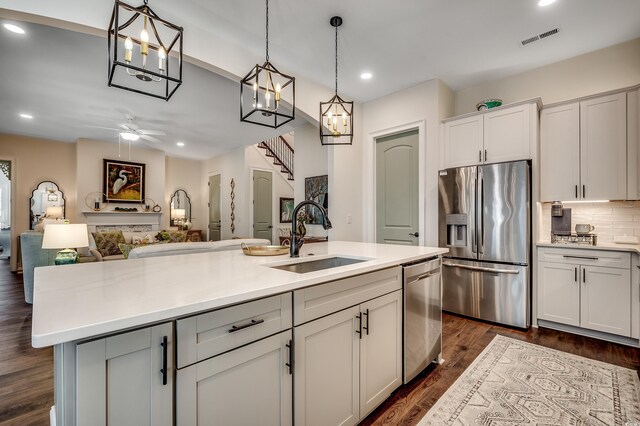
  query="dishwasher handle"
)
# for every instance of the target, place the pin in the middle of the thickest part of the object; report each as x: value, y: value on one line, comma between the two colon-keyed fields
x: 482, y: 268
x: 415, y: 278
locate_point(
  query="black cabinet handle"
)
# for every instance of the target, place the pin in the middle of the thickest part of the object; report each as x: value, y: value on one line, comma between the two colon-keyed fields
x: 164, y: 372
x: 414, y: 234
x: 480, y: 156
x: 575, y: 274
x: 366, y: 313
x: 584, y: 275
x: 291, y: 356
x: 359, y: 330
x: 576, y: 192
x: 583, y: 191
x: 253, y: 322
x: 485, y: 155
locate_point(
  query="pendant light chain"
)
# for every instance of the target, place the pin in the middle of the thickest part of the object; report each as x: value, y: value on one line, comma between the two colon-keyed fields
x: 267, y: 31
x: 336, y: 60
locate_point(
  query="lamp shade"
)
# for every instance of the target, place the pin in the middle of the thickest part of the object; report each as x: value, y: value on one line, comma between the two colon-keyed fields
x: 179, y: 213
x: 60, y: 236
x: 54, y: 212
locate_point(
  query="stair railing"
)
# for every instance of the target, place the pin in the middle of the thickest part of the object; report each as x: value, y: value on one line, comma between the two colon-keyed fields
x: 282, y: 154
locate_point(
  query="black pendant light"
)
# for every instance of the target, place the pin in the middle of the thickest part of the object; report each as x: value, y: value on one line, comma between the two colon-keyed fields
x: 267, y: 97
x: 336, y: 115
x: 134, y: 33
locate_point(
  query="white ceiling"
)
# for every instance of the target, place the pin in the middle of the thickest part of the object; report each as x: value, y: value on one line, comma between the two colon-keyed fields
x: 59, y: 77
x: 462, y: 42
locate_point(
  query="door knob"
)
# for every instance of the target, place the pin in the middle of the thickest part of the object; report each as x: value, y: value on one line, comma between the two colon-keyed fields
x: 415, y: 234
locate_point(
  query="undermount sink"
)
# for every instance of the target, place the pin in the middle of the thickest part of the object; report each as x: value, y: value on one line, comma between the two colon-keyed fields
x: 318, y: 265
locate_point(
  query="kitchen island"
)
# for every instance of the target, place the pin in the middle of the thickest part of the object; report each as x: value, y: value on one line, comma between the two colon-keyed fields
x: 131, y: 337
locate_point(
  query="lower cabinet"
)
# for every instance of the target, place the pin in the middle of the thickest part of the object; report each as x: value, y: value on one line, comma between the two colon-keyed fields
x: 592, y: 297
x: 348, y: 362
x: 250, y: 385
x: 126, y: 379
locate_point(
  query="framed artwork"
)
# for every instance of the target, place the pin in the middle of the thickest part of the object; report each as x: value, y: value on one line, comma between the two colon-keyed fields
x: 316, y: 188
x: 123, y: 181
x: 286, y: 210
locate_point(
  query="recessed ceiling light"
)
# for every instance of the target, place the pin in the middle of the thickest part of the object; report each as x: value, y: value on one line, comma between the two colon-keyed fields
x: 180, y: 143
x: 545, y: 2
x: 13, y: 28
x: 26, y: 116
x: 366, y: 75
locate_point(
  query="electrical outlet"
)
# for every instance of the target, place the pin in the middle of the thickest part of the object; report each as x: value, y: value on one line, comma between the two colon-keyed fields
x: 349, y: 218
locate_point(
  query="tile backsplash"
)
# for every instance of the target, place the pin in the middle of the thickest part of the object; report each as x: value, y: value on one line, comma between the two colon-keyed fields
x: 610, y: 219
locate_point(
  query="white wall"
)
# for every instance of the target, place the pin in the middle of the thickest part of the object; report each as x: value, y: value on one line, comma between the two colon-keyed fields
x: 281, y: 187
x: 182, y: 173
x: 231, y: 166
x: 89, y: 156
x: 607, y: 69
x: 425, y: 103
x: 311, y: 159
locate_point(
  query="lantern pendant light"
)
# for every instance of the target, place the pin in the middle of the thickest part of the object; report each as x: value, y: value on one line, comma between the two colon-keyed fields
x: 132, y: 61
x: 336, y: 115
x: 267, y: 96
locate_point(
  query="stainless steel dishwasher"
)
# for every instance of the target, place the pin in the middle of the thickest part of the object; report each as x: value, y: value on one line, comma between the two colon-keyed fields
x: 422, y: 316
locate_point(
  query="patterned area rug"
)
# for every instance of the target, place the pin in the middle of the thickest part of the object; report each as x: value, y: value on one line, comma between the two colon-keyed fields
x: 518, y: 383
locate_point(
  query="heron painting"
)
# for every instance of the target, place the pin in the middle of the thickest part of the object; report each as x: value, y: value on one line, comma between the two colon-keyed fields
x: 123, y: 181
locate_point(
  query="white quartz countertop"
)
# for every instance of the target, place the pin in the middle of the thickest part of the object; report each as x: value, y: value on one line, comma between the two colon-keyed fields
x: 73, y: 302
x: 634, y: 248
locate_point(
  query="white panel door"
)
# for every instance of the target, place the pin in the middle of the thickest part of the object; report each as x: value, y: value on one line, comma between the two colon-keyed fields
x: 326, y: 370
x: 603, y: 147
x: 606, y: 300
x: 119, y: 381
x: 559, y: 293
x: 251, y: 385
x: 262, y: 204
x: 507, y: 134
x: 560, y: 153
x: 462, y: 143
x: 380, y: 350
x: 397, y: 213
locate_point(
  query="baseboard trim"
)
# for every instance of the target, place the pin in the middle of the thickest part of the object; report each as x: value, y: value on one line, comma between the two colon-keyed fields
x: 590, y: 333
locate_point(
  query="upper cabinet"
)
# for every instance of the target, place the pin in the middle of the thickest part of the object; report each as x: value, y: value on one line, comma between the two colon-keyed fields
x: 503, y: 134
x: 633, y: 145
x: 583, y: 150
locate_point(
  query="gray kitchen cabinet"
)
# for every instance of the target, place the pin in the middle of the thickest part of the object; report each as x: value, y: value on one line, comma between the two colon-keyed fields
x: 577, y: 290
x: 633, y: 145
x: 126, y: 379
x: 492, y: 136
x: 348, y: 362
x: 559, y: 293
x: 250, y: 385
x: 583, y: 150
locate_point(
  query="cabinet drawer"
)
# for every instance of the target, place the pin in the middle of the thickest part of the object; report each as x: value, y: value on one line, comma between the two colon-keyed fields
x: 605, y: 258
x: 315, y: 302
x: 206, y: 335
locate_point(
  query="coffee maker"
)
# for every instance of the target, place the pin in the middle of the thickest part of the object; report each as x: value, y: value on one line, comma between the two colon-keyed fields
x: 560, y: 219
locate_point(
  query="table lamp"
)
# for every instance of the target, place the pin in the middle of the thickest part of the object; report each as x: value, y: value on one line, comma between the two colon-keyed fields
x: 53, y: 212
x: 179, y: 216
x: 63, y: 236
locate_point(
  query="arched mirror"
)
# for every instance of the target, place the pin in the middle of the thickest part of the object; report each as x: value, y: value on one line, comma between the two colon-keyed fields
x: 47, y: 201
x: 180, y: 215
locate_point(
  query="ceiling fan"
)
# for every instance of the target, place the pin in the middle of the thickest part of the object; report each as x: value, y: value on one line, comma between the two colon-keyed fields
x: 130, y: 131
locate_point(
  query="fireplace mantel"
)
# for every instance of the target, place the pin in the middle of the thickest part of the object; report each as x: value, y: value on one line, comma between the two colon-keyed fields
x: 115, y: 218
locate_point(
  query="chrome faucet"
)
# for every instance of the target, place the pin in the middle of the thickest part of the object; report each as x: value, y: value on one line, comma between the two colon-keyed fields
x: 298, y: 240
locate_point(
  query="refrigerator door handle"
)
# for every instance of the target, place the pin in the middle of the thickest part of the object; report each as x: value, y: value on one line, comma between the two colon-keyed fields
x: 481, y: 268
x: 480, y: 212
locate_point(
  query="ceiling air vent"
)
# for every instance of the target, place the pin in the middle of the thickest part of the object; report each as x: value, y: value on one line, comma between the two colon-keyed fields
x: 540, y: 36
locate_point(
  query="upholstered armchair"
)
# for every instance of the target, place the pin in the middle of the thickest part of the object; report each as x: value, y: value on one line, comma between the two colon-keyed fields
x: 33, y: 255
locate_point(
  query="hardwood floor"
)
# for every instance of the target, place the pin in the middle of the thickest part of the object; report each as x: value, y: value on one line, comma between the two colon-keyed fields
x: 463, y: 340
x: 26, y: 374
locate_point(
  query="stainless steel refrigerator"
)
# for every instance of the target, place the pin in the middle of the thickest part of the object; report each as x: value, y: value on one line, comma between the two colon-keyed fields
x: 485, y: 221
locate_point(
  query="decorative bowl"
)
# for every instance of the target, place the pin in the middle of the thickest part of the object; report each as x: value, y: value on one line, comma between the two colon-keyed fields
x: 264, y: 250
x: 488, y: 104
